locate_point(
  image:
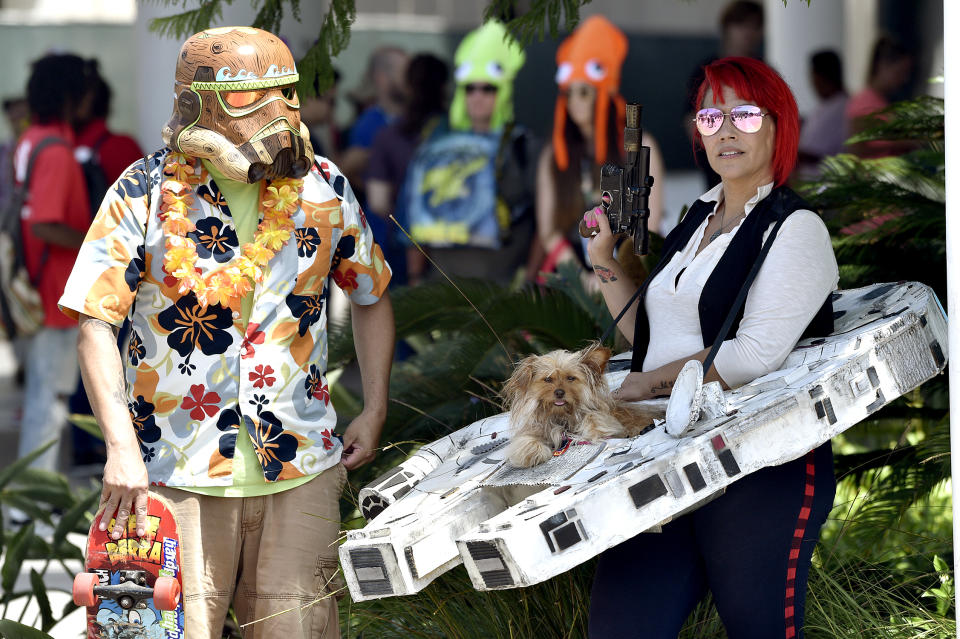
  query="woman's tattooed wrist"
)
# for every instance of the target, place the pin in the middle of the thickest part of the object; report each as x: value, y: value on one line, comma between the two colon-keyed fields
x: 605, y: 274
x: 662, y: 386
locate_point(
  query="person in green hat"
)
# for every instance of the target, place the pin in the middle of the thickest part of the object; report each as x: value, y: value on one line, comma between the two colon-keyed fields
x: 469, y: 193
x: 485, y: 64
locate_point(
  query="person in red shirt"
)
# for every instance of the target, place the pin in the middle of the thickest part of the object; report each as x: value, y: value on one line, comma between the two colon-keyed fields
x: 114, y: 152
x: 54, y: 220
x: 890, y: 67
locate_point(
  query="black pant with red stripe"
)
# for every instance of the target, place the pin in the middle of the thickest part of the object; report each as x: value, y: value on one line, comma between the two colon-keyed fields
x: 750, y: 547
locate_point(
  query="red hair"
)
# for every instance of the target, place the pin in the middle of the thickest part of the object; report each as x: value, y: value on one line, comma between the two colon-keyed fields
x: 757, y: 82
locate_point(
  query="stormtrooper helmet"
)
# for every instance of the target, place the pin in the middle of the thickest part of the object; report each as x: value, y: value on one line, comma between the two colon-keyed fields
x: 235, y: 104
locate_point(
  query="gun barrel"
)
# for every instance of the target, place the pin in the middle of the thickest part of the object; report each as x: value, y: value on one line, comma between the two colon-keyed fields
x: 631, y: 131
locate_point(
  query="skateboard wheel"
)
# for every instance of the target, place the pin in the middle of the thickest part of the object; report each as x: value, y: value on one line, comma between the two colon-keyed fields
x: 83, y: 585
x: 166, y: 593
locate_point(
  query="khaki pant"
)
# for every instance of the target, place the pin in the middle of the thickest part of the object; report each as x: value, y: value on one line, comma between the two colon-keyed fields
x: 273, y: 557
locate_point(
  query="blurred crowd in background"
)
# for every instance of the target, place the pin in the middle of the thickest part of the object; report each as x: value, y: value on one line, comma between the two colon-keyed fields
x: 434, y: 144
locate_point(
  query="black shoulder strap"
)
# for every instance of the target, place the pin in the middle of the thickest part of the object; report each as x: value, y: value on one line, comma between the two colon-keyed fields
x: 146, y: 172
x: 638, y: 294
x: 96, y: 145
x: 316, y: 163
x: 741, y: 296
x: 503, y: 149
x: 433, y: 125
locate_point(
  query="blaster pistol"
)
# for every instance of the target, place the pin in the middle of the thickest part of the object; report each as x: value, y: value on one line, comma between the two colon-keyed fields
x: 625, y: 190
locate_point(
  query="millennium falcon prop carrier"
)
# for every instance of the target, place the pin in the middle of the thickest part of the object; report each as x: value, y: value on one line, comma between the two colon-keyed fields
x: 458, y: 501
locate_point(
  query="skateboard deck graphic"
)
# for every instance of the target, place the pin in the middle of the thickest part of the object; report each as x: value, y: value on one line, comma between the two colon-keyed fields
x: 131, y: 586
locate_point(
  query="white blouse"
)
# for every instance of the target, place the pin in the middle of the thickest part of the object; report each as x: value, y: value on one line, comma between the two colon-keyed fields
x: 799, y: 272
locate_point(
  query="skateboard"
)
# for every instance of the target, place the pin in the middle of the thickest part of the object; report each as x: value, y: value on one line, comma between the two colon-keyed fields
x: 131, y: 586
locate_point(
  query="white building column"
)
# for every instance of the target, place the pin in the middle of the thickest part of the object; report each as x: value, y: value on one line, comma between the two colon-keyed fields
x: 951, y: 22
x: 794, y: 32
x: 859, y: 34
x: 156, y: 59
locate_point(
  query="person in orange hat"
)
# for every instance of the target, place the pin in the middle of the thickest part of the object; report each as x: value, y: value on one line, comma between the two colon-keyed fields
x: 587, y: 133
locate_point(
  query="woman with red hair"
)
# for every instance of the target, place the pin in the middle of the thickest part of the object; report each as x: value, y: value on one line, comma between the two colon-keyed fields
x: 752, y: 546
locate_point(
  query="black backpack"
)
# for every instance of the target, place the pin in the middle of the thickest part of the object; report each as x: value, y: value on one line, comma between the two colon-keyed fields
x: 93, y: 174
x: 21, y: 310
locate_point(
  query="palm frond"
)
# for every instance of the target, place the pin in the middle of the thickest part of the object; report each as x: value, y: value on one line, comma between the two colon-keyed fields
x: 542, y: 17
x: 315, y: 68
x: 270, y: 14
x: 920, y: 118
x: 911, y: 182
x: 189, y: 21
x: 887, y: 215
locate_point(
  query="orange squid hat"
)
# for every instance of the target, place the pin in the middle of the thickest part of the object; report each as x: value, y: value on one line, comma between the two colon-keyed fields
x: 593, y: 53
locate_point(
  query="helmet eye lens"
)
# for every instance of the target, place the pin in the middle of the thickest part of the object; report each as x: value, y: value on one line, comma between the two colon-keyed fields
x: 241, y: 98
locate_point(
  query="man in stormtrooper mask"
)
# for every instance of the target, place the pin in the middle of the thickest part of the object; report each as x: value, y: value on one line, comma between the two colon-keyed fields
x: 221, y: 249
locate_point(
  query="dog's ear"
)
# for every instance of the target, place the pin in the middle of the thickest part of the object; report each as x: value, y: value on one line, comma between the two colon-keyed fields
x: 515, y: 387
x: 596, y: 357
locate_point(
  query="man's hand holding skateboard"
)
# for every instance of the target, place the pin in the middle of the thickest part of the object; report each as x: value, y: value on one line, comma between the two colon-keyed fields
x: 125, y: 486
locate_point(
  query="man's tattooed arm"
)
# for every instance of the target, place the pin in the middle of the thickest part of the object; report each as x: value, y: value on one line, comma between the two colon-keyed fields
x: 119, y: 393
x: 605, y: 274
x: 95, y: 324
x: 118, y: 390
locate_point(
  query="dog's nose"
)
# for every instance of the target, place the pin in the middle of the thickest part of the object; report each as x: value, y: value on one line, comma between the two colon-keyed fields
x: 558, y: 393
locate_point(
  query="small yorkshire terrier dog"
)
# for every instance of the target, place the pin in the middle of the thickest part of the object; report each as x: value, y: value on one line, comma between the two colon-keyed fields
x: 562, y: 394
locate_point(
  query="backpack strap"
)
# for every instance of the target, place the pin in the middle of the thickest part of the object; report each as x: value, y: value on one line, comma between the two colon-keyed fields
x: 35, y: 151
x: 503, y: 148
x: 432, y: 126
x: 316, y: 164
x: 25, y: 186
x: 22, y: 190
x: 509, y: 145
x: 96, y: 145
x: 323, y: 176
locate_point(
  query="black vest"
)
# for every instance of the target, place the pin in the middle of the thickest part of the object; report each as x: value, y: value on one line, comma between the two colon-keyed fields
x: 721, y: 288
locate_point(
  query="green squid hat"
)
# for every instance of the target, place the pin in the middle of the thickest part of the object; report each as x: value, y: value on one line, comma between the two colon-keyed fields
x: 488, y: 55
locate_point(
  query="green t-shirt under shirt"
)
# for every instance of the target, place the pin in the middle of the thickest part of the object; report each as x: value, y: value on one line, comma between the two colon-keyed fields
x: 248, y: 481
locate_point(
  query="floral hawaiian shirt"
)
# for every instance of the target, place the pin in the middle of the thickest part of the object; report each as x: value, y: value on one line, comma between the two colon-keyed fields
x: 196, y: 377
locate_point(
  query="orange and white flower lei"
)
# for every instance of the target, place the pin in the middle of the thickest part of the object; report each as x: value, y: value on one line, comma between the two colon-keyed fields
x: 228, y: 284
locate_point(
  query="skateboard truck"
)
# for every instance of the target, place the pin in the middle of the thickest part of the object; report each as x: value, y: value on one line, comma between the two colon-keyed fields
x: 130, y: 593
